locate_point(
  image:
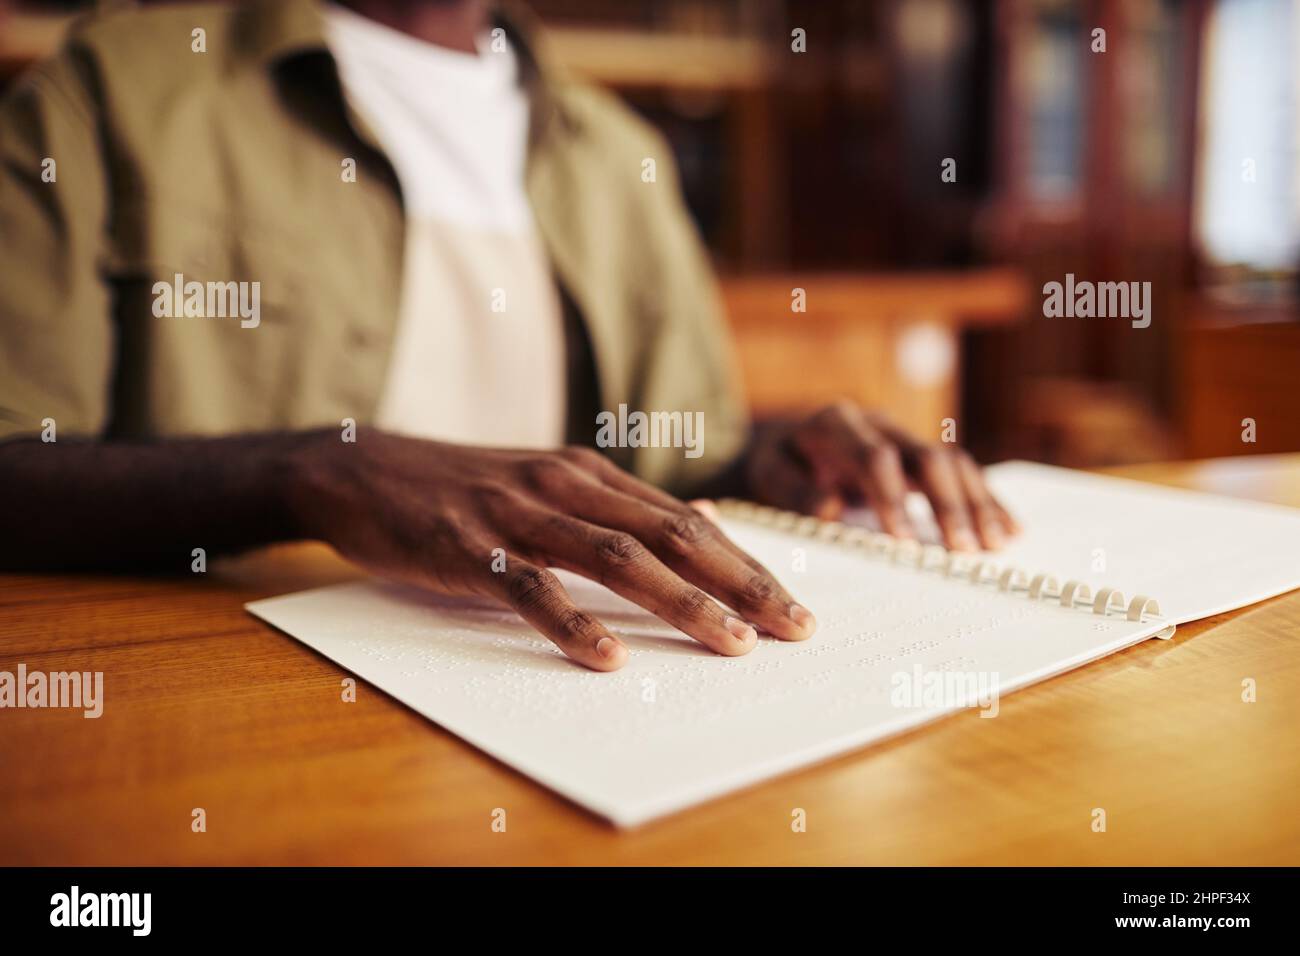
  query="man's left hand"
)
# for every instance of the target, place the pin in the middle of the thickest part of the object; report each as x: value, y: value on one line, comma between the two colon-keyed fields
x: 844, y: 456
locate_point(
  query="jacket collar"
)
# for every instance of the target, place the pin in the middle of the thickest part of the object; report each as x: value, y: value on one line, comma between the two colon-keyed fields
x: 274, y: 32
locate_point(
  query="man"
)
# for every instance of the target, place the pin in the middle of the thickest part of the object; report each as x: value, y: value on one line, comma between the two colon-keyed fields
x: 273, y: 271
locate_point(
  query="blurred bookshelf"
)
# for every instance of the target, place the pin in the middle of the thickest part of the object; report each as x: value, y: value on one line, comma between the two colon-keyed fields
x: 748, y: 118
x: 803, y: 166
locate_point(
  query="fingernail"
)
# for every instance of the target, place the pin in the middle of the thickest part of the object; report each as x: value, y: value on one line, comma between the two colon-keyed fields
x: 740, y: 630
x: 802, y: 616
x: 900, y: 527
x: 607, y: 647
x: 993, y: 536
x: 828, y: 509
x: 963, y: 540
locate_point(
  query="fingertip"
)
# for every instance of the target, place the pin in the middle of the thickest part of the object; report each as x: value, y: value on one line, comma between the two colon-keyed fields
x: 895, y: 523
x: 741, y: 638
x: 792, y: 624
x: 962, y: 539
x: 904, y: 533
x: 826, y: 508
x: 804, y: 620
x: 610, y: 654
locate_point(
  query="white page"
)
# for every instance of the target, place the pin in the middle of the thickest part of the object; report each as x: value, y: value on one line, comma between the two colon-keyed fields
x: 1197, y: 554
x: 680, y: 724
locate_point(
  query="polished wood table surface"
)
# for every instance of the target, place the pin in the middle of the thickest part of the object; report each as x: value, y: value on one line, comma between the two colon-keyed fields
x: 208, y: 707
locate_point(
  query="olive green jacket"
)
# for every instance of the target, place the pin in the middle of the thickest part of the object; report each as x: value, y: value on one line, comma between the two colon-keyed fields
x: 131, y: 157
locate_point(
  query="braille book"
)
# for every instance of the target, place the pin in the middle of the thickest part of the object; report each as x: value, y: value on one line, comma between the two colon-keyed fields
x: 908, y: 633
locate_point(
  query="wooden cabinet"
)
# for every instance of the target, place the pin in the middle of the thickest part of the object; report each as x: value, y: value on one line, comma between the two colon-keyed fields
x: 1235, y: 367
x: 887, y: 341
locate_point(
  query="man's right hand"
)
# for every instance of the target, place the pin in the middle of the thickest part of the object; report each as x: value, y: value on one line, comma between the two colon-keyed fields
x: 434, y: 515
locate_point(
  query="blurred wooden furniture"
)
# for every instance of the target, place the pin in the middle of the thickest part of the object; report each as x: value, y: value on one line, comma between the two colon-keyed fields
x: 624, y: 59
x: 1080, y: 423
x: 888, y: 341
x: 1237, y: 366
x: 1094, y: 173
x: 208, y: 707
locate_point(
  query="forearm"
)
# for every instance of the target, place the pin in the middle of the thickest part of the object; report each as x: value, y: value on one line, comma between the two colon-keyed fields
x: 90, y: 504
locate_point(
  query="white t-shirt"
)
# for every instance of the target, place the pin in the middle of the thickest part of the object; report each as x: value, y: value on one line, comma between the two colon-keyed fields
x: 479, y: 351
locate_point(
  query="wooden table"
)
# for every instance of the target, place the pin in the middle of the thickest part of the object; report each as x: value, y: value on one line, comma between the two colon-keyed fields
x: 207, y: 707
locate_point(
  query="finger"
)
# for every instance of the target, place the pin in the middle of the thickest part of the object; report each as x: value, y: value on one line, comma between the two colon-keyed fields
x: 860, y: 457
x: 991, y: 519
x: 969, y: 478
x: 539, y: 598
x: 669, y: 528
x: 886, y: 485
x: 623, y: 564
x: 1009, y: 521
x: 694, y: 549
x: 936, y: 474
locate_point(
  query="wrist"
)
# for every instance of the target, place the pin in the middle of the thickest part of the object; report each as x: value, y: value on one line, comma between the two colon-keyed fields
x: 300, y: 474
